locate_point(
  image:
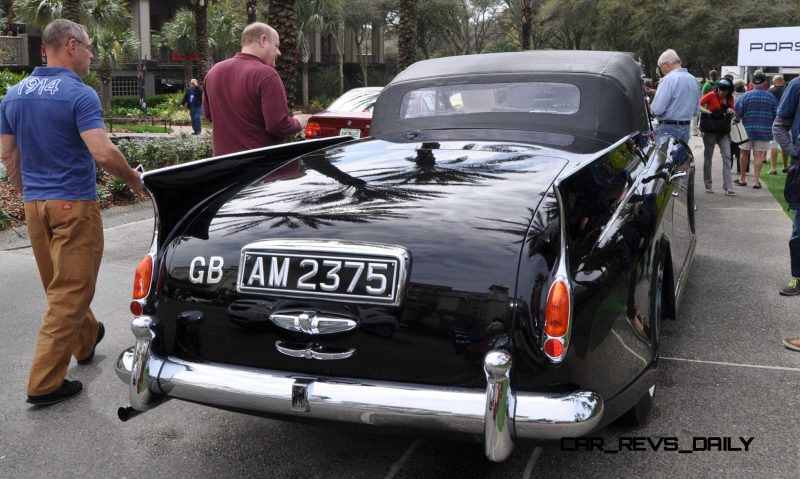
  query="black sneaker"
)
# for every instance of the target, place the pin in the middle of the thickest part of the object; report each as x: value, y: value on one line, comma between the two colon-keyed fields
x: 67, y: 390
x: 791, y: 289
x: 101, y: 331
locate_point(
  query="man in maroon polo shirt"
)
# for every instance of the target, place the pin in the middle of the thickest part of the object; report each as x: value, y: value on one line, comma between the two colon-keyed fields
x: 245, y: 98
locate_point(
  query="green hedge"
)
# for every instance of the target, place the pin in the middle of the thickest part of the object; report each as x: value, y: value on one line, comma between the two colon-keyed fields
x: 155, y: 101
x: 155, y: 153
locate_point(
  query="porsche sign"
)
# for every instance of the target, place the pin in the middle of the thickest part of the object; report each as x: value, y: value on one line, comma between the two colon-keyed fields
x: 774, y: 47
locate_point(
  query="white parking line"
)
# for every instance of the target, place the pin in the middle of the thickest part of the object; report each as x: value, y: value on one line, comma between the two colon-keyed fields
x: 723, y: 363
x: 110, y: 228
x: 537, y: 451
x: 401, y: 462
x: 739, y: 208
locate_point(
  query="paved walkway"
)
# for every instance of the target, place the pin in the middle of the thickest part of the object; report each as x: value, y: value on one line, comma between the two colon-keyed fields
x: 741, y: 262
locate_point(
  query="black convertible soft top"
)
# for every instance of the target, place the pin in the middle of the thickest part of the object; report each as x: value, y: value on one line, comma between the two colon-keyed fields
x: 612, y: 101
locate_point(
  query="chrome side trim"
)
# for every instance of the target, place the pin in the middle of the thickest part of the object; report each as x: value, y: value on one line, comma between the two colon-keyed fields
x: 498, y: 421
x: 684, y: 277
x: 460, y: 410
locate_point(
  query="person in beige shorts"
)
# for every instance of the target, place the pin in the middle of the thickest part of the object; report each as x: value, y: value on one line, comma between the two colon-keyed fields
x: 759, y: 155
x: 757, y: 110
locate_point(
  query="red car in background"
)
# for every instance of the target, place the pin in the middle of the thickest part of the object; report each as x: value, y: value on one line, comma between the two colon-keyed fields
x: 350, y: 114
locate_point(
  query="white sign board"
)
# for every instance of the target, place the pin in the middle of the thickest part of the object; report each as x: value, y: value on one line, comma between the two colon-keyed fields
x: 737, y: 72
x: 769, y: 47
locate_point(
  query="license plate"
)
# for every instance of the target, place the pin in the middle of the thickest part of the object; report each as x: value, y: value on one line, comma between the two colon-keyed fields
x: 354, y: 132
x: 352, y: 272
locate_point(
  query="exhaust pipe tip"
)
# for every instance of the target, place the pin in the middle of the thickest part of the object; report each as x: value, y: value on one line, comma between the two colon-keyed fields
x: 124, y: 413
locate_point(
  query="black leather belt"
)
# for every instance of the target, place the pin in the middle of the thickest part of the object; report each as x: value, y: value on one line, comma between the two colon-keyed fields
x: 674, y: 122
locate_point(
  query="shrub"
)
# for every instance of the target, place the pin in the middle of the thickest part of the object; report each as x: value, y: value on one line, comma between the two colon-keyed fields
x: 324, y: 82
x: 153, y: 153
x: 317, y: 104
x: 8, y: 79
x: 3, y: 175
x: 5, y: 220
x: 102, y: 196
x: 119, y: 188
x: 154, y: 101
x: 93, y: 80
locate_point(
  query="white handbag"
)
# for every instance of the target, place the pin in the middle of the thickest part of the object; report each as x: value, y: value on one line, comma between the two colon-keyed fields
x: 738, y: 134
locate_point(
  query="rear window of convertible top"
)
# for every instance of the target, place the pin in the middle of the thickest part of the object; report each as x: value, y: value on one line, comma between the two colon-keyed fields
x: 527, y: 97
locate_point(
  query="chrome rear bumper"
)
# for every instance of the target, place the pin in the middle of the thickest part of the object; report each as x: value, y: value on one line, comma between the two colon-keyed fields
x: 498, y: 413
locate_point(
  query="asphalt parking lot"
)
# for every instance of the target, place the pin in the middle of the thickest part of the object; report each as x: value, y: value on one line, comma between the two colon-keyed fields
x: 723, y: 374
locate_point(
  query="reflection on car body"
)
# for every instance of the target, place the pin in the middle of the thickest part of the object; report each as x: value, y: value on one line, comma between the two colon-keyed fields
x: 495, y: 260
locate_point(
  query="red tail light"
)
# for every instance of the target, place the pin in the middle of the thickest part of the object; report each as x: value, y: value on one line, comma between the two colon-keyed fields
x: 312, y: 129
x: 554, y: 347
x: 144, y: 274
x: 556, y: 318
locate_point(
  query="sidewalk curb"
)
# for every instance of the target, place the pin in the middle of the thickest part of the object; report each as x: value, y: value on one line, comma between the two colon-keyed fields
x: 17, y: 238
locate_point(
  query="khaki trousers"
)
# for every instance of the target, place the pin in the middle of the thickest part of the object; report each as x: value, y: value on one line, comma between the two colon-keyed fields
x: 67, y: 241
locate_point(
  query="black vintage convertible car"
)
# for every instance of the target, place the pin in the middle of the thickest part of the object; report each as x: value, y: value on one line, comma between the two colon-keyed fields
x: 495, y: 260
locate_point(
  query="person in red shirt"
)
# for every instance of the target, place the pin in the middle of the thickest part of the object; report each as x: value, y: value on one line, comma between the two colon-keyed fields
x: 719, y: 100
x: 245, y: 99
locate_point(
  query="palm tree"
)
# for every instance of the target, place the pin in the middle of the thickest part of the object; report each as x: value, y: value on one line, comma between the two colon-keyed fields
x: 110, y: 48
x: 225, y: 33
x: 38, y: 12
x: 407, y: 34
x: 332, y: 13
x: 283, y: 18
x: 201, y: 34
x: 252, y: 7
x: 95, y: 15
x: 526, y: 24
x: 72, y: 10
x: 179, y: 34
x: 309, y: 19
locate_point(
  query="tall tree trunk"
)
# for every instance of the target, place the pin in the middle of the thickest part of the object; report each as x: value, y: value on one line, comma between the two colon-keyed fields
x: 252, y: 10
x: 358, y: 40
x: 283, y: 18
x: 105, y: 88
x: 187, y: 70
x: 71, y: 10
x: 201, y: 33
x: 338, y: 36
x: 526, y: 24
x: 305, y: 84
x: 407, y: 34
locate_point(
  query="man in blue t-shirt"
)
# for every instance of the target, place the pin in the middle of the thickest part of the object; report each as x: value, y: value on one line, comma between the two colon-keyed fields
x: 51, y: 134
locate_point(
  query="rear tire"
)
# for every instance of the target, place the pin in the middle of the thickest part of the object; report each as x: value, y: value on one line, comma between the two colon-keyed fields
x: 638, y: 415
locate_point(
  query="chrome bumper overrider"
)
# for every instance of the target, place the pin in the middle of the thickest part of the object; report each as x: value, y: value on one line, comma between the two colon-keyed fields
x: 499, y: 414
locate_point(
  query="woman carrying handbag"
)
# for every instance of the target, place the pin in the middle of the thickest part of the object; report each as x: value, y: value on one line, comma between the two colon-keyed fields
x: 716, y: 109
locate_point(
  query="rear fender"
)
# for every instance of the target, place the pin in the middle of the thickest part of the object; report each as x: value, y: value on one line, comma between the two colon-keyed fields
x: 178, y: 191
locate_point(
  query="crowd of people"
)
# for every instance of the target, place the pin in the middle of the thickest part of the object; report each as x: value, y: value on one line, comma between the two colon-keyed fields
x: 771, y: 119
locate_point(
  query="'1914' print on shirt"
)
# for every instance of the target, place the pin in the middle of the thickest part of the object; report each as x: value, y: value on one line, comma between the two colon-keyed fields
x: 38, y: 85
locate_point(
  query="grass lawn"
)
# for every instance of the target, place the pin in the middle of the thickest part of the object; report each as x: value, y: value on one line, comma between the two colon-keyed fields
x: 775, y: 183
x: 118, y: 128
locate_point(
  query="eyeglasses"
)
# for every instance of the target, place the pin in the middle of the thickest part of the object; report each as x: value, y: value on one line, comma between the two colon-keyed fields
x: 88, y: 47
